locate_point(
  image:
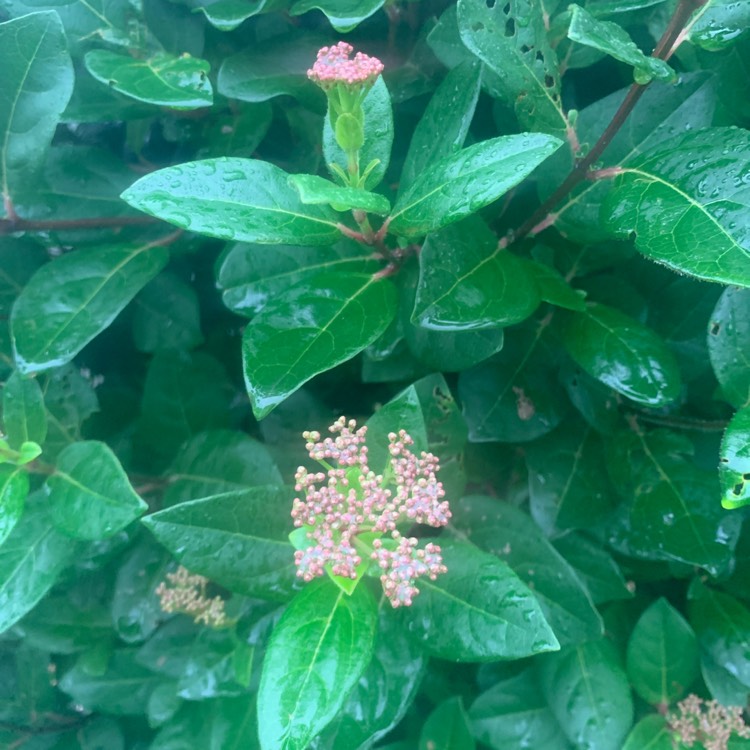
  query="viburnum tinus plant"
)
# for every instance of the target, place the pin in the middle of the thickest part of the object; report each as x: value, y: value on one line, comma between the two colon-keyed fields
x: 508, y: 241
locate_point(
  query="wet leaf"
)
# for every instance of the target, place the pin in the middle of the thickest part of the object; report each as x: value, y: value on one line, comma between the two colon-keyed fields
x: 734, y: 468
x: 728, y: 330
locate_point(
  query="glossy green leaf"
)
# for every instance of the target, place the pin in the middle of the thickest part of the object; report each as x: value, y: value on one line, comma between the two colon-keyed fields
x: 650, y: 733
x: 166, y: 315
x: 227, y: 15
x: 662, y: 656
x: 728, y: 330
x: 317, y: 653
x: 249, y: 276
x: 734, y: 467
x: 511, y: 535
x: 478, y: 611
x: 74, y: 298
x: 460, y: 184
x: 233, y: 199
x: 317, y: 190
x: 719, y: 24
x: 623, y: 354
x: 37, y: 83
x: 24, y: 416
x: 89, y: 494
x: 310, y: 329
x: 722, y: 625
x: 613, y: 40
x: 445, y: 123
x: 447, y: 728
x: 553, y: 288
x: 344, y: 15
x: 722, y: 684
x: 237, y: 539
x: 31, y: 560
x: 468, y: 282
x: 163, y: 79
x: 685, y: 202
x: 14, y: 487
x: 568, y: 483
x: 378, y: 115
x: 512, y: 40
x: 588, y: 692
x: 384, y: 693
x: 513, y: 713
x: 672, y: 504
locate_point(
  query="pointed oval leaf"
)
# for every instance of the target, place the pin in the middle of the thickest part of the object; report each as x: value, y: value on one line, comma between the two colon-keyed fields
x: 447, y: 728
x: 317, y: 653
x: 662, y: 656
x: 233, y: 199
x: 14, y: 487
x: 317, y: 190
x: 479, y: 610
x: 734, y: 469
x: 310, y: 329
x: 165, y: 80
x: 467, y: 281
x: 623, y: 354
x: 89, y: 494
x: 37, y: 84
x: 728, y: 334
x: 686, y: 202
x: 588, y: 691
x: 460, y: 184
x: 24, y: 415
x: 650, y: 733
x: 344, y: 15
x: 72, y: 299
x: 237, y: 539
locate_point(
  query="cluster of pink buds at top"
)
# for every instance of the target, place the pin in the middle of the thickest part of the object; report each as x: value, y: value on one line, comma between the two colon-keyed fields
x: 333, y: 66
x: 349, y: 499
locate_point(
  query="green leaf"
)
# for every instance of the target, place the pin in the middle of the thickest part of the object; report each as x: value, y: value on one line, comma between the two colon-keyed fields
x: 512, y: 536
x: 310, y: 329
x: 218, y: 461
x: 249, y: 276
x: 31, y: 560
x: 623, y: 354
x: 511, y: 39
x: 673, y: 513
x: 166, y: 315
x: 613, y: 40
x: 14, y: 487
x: 734, y: 469
x: 89, y: 494
x: 317, y: 653
x: 460, y: 184
x: 378, y: 115
x: 722, y: 684
x: 71, y: 300
x: 568, y: 483
x: 344, y: 15
x: 722, y: 625
x: 728, y: 330
x: 237, y: 539
x: 468, y: 282
x: 719, y: 24
x: 553, y: 288
x: 227, y: 15
x: 686, y: 204
x: 514, y: 714
x: 37, y: 83
x: 24, y: 416
x: 447, y: 728
x: 163, y: 79
x: 233, y: 199
x: 588, y: 692
x: 317, y: 190
x: 662, y: 656
x: 445, y: 123
x: 478, y: 611
x: 650, y: 733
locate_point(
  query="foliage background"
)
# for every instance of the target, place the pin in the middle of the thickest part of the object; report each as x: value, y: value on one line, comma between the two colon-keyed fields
x: 579, y: 395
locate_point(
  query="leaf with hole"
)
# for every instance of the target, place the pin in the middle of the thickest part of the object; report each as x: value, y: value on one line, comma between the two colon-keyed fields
x: 734, y: 466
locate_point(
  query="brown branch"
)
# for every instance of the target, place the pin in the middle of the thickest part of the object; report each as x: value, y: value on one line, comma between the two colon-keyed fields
x: 663, y: 50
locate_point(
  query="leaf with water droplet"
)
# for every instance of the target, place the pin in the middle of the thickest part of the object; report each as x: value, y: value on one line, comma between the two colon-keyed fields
x: 734, y: 466
x: 728, y: 334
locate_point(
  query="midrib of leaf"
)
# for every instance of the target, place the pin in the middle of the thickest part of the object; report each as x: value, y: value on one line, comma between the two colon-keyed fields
x: 13, y: 107
x: 233, y: 534
x: 157, y: 71
x: 31, y: 548
x: 586, y: 679
x: 574, y: 469
x: 727, y: 618
x: 7, y: 482
x: 96, y: 13
x: 94, y: 493
x: 663, y: 664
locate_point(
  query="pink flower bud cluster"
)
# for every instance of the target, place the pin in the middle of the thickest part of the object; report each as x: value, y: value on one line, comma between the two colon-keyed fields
x: 349, y: 499
x: 334, y: 66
